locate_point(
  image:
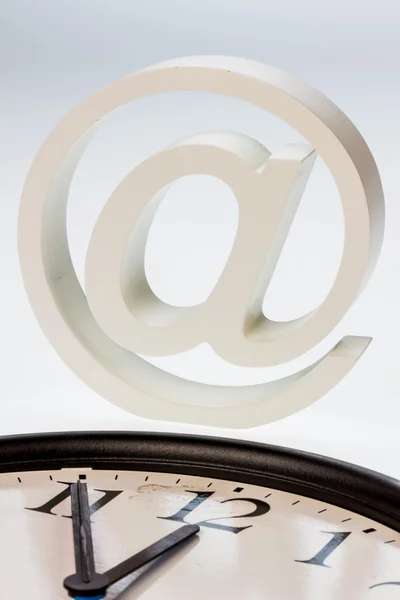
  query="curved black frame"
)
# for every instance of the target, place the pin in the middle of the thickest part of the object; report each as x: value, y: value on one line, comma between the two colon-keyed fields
x: 345, y: 485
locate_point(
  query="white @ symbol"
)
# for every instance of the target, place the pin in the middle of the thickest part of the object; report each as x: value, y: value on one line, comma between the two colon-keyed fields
x: 101, y: 332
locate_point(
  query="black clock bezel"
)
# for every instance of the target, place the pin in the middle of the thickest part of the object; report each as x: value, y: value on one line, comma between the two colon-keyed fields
x: 348, y: 486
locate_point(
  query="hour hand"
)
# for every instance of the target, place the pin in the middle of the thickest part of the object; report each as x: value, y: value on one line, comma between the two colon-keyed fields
x: 142, y: 558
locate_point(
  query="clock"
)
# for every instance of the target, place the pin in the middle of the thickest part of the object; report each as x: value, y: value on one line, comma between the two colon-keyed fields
x: 272, y: 522
x: 173, y: 517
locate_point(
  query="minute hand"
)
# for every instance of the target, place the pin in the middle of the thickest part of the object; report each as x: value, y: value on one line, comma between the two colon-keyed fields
x: 145, y: 556
x: 83, y: 544
x: 86, y: 582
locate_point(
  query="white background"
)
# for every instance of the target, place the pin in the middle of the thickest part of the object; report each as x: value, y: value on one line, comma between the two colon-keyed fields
x: 55, y: 53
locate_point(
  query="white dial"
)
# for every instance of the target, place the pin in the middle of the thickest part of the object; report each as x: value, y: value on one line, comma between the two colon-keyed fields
x: 254, y: 542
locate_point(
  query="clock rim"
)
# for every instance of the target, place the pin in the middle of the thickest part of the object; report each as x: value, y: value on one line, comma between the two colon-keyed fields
x: 348, y: 486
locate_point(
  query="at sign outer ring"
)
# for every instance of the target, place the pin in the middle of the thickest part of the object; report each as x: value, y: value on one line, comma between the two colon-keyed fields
x: 51, y: 283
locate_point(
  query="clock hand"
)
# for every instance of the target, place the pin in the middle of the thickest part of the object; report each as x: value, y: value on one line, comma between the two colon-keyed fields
x: 85, y: 582
x: 142, y: 558
x: 83, y: 544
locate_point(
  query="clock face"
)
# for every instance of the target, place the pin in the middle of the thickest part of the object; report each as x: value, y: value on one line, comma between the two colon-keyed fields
x: 255, y: 542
